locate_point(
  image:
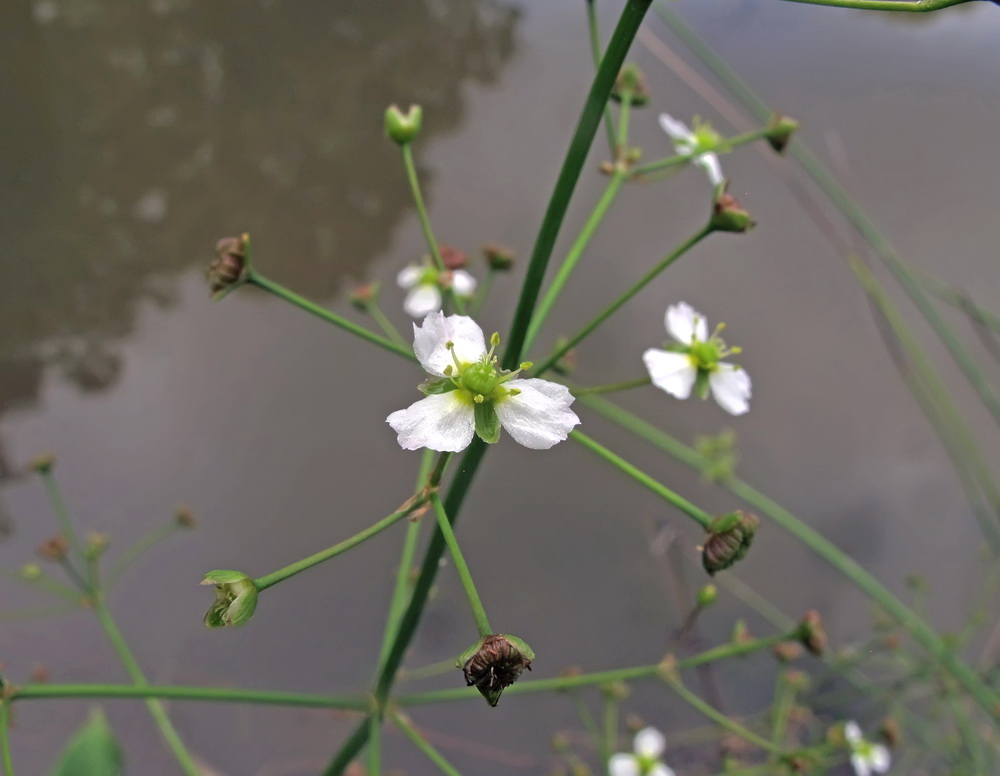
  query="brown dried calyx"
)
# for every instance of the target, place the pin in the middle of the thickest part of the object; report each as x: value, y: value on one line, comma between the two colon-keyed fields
x: 494, y: 663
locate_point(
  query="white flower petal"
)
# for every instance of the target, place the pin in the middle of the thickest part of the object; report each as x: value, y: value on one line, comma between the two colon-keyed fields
x: 462, y: 282
x: 539, y: 416
x: 438, y: 329
x: 684, y: 323
x: 670, y: 372
x: 409, y: 276
x: 710, y: 164
x: 852, y: 732
x: 649, y: 743
x: 623, y: 765
x: 879, y: 758
x: 440, y: 422
x: 731, y: 388
x: 661, y: 770
x: 422, y: 299
x: 677, y: 130
x: 860, y: 765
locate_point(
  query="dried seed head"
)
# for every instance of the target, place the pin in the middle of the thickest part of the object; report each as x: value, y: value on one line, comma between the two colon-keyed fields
x: 780, y: 130
x: 728, y: 540
x: 184, y: 517
x: 812, y: 636
x: 729, y: 216
x: 498, y: 257
x: 494, y: 663
x: 452, y: 257
x: 230, y: 265
x: 364, y: 296
x: 890, y: 732
x: 632, y: 81
x: 787, y: 651
x: 54, y: 549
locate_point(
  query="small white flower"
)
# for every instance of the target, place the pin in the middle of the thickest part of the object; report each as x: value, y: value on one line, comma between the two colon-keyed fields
x: 648, y: 747
x: 425, y: 283
x: 688, y: 142
x: 866, y: 757
x: 468, y: 394
x: 694, y: 362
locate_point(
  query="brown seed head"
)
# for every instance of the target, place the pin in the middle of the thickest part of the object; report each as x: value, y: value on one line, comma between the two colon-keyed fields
x: 787, y: 651
x: 54, y: 549
x: 452, y: 257
x: 729, y: 216
x: 498, y: 257
x: 184, y: 517
x: 728, y: 540
x: 230, y: 263
x: 812, y: 636
x: 496, y: 664
x: 890, y: 732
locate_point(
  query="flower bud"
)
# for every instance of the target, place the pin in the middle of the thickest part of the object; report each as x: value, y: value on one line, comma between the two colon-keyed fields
x: 707, y: 596
x: 55, y: 549
x: 616, y: 691
x: 728, y: 540
x: 402, y: 128
x: 97, y: 543
x: 499, y: 258
x: 43, y: 463
x: 786, y: 651
x: 780, y: 130
x: 741, y: 633
x: 889, y: 732
x: 797, y: 680
x: 364, y: 296
x: 812, y: 636
x: 31, y: 571
x: 235, y: 598
x: 230, y: 266
x: 728, y: 215
x: 632, y: 81
x: 494, y: 663
x: 184, y: 517
x: 453, y: 258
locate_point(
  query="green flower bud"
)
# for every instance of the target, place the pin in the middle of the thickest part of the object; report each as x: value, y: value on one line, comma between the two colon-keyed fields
x: 31, y: 571
x: 780, y: 130
x: 231, y: 266
x: 728, y: 540
x: 97, y: 543
x: 631, y: 81
x: 400, y: 127
x: 235, y: 598
x: 812, y: 635
x: 184, y: 517
x: 498, y: 257
x: 364, y: 296
x: 707, y: 596
x: 43, y: 463
x: 494, y: 663
x: 728, y: 215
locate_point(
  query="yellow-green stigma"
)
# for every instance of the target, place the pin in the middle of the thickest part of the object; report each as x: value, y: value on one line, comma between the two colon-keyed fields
x: 483, y: 380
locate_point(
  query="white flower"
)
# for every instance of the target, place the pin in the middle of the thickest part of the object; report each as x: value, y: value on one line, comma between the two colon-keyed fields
x: 648, y: 747
x: 468, y: 394
x: 688, y: 142
x: 425, y: 283
x: 694, y: 362
x: 866, y: 757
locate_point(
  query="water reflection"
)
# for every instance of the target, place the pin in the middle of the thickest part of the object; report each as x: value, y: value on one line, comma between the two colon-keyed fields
x: 146, y: 130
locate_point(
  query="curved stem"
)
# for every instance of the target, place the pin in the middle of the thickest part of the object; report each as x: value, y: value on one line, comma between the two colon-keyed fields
x: 624, y: 385
x: 43, y: 582
x: 595, y: 51
x: 66, y: 526
x: 312, y: 308
x: 386, y: 325
x: 133, y: 553
x: 403, y: 723
x: 8, y: 763
x: 573, y: 341
x: 482, y: 623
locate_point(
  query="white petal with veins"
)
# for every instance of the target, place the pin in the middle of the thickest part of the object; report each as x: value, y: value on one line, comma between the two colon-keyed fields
x: 438, y: 329
x: 440, y: 422
x: 670, y: 372
x: 539, y: 416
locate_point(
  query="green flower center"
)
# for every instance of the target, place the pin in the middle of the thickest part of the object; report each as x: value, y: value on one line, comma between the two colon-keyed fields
x: 705, y: 356
x: 483, y: 381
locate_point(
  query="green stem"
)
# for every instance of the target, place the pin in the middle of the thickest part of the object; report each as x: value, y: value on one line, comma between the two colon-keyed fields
x: 374, y: 745
x: 330, y: 317
x: 583, y: 136
x: 179, y: 693
x: 609, y: 717
x: 634, y: 673
x: 724, y: 144
x: 482, y: 623
x: 386, y: 325
x: 620, y: 301
x: 923, y: 633
x: 425, y: 223
x: 700, y: 516
x: 156, y: 710
x: 432, y: 754
x: 483, y: 292
x: 263, y: 583
x: 721, y: 719
x: 133, y: 553
x: 573, y: 256
x: 917, y: 6
x: 10, y: 615
x: 8, y: 763
x: 590, y: 725
x: 625, y: 385
x: 784, y: 700
x: 43, y: 582
x: 65, y: 523
x: 595, y: 51
x: 624, y: 115
x: 958, y: 299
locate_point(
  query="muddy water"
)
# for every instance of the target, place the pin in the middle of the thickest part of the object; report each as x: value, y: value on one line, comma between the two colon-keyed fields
x: 145, y: 131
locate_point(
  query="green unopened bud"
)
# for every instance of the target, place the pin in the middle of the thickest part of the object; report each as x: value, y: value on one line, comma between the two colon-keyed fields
x: 498, y: 257
x: 728, y: 540
x: 812, y: 635
x: 97, y: 543
x: 780, y: 130
x: 31, y: 571
x: 231, y: 265
x: 631, y: 81
x: 403, y: 127
x: 364, y: 296
x: 786, y: 651
x: 43, y: 463
x: 494, y: 663
x: 728, y: 215
x: 184, y: 517
x: 707, y: 596
x: 235, y: 598
x: 741, y: 633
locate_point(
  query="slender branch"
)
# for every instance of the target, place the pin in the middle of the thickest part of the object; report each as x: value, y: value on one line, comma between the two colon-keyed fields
x: 65, y: 524
x: 374, y: 742
x: 8, y: 763
x: 133, y: 553
x: 916, y: 6
x: 595, y: 50
x: 386, y: 325
x: 432, y: 754
x: 482, y: 623
x: 724, y: 144
x: 625, y: 385
x: 43, y: 581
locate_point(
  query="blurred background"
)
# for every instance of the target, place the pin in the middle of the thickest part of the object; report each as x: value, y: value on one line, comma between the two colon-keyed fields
x: 136, y: 134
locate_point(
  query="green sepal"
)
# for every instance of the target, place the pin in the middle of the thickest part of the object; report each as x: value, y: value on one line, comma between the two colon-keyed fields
x: 92, y: 751
x: 223, y: 577
x: 726, y: 522
x: 487, y: 422
x: 701, y: 385
x: 466, y: 656
x: 437, y: 385
x: 526, y: 652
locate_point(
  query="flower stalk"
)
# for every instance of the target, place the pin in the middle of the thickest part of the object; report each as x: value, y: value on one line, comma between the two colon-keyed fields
x: 478, y: 613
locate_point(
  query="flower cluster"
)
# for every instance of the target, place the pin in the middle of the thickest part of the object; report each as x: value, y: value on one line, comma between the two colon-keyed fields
x: 425, y: 284
x: 687, y: 142
x: 866, y: 758
x: 644, y: 760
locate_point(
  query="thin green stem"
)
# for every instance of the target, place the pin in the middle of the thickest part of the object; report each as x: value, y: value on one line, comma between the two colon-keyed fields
x: 36, y: 613
x: 483, y: 292
x: 957, y: 299
x: 609, y: 719
x: 386, y: 325
x: 595, y: 51
x: 923, y: 633
x: 724, y: 144
x: 133, y: 553
x: 573, y: 256
x: 784, y: 700
x: 482, y: 622
x: 84, y: 582
x: 700, y: 516
x: 624, y: 116
x: 330, y: 317
x: 63, y: 518
x: 43, y: 581
x: 625, y: 385
x: 263, y: 583
x: 156, y: 710
x: 583, y: 136
x: 573, y: 341
x: 403, y: 723
x: 374, y: 745
x: 425, y: 223
x: 916, y: 6
x: 8, y: 762
x: 590, y: 725
x: 719, y: 718
x: 196, y: 694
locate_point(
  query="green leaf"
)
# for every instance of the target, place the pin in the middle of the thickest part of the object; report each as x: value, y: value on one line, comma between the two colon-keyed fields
x: 487, y: 423
x: 92, y: 751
